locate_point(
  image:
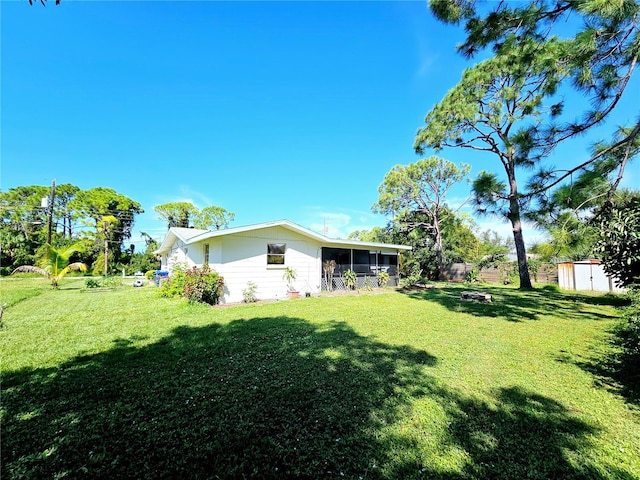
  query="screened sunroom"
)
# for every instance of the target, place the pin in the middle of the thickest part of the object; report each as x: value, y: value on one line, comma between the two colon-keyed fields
x: 367, y: 265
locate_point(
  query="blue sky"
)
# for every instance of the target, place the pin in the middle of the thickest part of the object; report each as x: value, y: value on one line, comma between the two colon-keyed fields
x: 271, y: 110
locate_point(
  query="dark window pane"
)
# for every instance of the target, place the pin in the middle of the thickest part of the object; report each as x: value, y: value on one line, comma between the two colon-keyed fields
x: 389, y: 259
x: 276, y: 248
x: 275, y: 259
x: 361, y: 257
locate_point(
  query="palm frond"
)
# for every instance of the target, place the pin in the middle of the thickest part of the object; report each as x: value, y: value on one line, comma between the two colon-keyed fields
x: 32, y: 269
x: 77, y: 266
x: 56, y: 258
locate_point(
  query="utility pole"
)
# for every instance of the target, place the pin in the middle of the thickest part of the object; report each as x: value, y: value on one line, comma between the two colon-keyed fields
x: 105, y: 231
x: 105, y: 226
x: 106, y: 255
x: 50, y: 212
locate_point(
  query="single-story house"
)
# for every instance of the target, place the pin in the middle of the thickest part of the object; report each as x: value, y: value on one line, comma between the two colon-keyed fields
x: 260, y: 254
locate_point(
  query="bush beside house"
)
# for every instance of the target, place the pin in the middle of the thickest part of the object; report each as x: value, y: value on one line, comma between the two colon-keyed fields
x: 195, y: 284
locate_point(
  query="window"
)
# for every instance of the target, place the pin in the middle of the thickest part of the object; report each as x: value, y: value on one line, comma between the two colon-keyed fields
x: 206, y: 254
x: 275, y: 253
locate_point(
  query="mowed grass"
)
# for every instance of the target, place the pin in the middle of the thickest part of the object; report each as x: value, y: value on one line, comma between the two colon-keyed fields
x: 123, y: 384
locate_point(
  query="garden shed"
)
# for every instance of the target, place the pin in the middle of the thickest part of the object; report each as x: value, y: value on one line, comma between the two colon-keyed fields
x: 262, y: 252
x: 586, y: 275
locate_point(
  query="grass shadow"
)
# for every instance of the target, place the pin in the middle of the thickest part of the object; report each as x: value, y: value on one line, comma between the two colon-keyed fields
x: 615, y: 369
x: 517, y: 305
x: 618, y: 373
x: 273, y: 397
x: 526, y: 436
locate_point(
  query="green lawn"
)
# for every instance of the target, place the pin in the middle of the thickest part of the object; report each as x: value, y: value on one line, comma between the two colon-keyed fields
x: 123, y: 384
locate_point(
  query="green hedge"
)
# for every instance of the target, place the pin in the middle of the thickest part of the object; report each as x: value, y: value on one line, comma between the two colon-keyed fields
x: 195, y: 284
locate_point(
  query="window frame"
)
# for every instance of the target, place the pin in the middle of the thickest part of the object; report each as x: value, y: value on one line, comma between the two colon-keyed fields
x: 272, y: 256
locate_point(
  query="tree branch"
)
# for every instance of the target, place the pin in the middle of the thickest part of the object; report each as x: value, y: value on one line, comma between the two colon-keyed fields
x: 627, y: 140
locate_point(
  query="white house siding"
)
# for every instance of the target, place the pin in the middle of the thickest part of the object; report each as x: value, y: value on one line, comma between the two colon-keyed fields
x: 242, y: 257
x: 178, y: 255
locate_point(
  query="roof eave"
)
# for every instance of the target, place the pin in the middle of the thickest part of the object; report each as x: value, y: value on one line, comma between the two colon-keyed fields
x: 165, y: 247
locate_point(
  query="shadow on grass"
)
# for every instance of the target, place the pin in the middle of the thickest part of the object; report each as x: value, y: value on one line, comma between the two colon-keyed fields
x: 616, y: 369
x: 517, y: 305
x: 269, y: 398
x: 617, y: 372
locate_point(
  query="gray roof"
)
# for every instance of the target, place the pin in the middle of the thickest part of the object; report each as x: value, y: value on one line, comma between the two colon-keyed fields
x: 193, y: 235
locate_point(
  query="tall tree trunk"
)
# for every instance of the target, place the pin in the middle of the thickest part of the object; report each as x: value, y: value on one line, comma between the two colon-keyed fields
x: 523, y: 267
x: 438, y: 245
x: 518, y: 238
x: 516, y: 226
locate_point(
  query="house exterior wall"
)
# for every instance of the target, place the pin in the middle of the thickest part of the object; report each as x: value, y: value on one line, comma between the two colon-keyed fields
x: 242, y: 257
x: 179, y: 254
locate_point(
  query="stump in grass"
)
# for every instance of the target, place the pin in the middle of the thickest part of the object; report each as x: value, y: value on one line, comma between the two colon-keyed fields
x: 475, y: 297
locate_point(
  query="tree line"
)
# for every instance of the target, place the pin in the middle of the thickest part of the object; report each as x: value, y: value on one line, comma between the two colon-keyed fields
x: 97, y: 222
x: 414, y: 196
x: 94, y: 225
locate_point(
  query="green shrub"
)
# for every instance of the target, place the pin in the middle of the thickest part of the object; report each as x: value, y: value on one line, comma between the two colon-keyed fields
x: 174, y: 285
x: 103, y: 282
x: 551, y: 287
x: 350, y: 278
x: 534, y: 265
x: 249, y: 293
x: 195, y: 284
x: 92, y: 283
x: 383, y: 279
x: 203, y: 285
x: 509, y: 273
x: 149, y: 274
x: 111, y: 282
x: 628, y: 331
x: 414, y: 277
x: 473, y: 276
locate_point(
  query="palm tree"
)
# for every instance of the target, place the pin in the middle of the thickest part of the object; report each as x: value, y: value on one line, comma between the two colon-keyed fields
x: 55, y: 264
x: 329, y: 267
